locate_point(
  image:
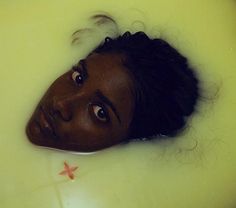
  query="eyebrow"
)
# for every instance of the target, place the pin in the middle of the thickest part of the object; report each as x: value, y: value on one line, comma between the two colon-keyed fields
x: 83, y: 65
x: 108, y: 102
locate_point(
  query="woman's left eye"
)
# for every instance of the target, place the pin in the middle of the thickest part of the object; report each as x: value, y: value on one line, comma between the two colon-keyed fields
x: 77, y: 77
x: 100, y: 113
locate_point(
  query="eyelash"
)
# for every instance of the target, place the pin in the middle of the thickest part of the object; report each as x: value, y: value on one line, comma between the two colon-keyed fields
x: 101, y: 106
x: 77, y: 73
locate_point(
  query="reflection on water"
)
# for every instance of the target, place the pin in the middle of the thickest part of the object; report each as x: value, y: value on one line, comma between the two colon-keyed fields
x: 195, y: 170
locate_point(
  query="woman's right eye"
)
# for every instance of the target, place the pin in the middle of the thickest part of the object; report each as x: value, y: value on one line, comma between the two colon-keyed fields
x: 77, y: 77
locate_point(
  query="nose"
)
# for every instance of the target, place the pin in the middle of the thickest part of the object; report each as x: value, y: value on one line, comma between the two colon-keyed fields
x: 62, y: 106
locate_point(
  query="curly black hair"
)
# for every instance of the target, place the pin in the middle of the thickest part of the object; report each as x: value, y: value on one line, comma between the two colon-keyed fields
x: 166, y: 88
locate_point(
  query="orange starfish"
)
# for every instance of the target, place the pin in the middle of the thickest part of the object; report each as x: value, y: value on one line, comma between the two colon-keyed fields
x: 68, y: 171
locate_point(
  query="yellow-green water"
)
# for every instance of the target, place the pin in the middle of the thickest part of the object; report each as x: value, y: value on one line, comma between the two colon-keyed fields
x: 197, y: 169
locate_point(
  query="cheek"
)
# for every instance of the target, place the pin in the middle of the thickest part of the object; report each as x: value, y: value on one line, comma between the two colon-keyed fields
x: 82, y: 130
x: 59, y: 87
x: 86, y: 135
x: 61, y: 84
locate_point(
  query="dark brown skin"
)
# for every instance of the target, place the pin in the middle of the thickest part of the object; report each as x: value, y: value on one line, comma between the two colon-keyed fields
x: 73, y: 114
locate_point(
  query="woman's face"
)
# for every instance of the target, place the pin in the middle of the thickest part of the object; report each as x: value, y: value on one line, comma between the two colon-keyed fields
x: 86, y: 109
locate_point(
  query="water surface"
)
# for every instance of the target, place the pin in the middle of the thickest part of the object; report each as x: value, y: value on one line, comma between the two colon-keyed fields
x: 197, y: 169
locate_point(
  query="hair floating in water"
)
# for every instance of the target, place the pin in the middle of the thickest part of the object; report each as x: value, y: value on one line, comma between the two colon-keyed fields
x: 102, y: 25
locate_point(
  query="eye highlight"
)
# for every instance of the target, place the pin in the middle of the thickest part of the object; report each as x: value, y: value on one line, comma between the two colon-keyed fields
x: 77, y: 77
x: 100, y: 113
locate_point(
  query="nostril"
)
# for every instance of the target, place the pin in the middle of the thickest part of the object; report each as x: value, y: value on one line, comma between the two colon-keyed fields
x: 62, y: 109
x: 66, y: 116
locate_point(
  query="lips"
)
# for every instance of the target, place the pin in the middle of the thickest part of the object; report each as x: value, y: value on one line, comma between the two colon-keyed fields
x: 46, y: 123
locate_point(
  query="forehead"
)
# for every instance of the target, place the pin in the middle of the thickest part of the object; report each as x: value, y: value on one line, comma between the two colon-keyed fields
x: 107, y: 73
